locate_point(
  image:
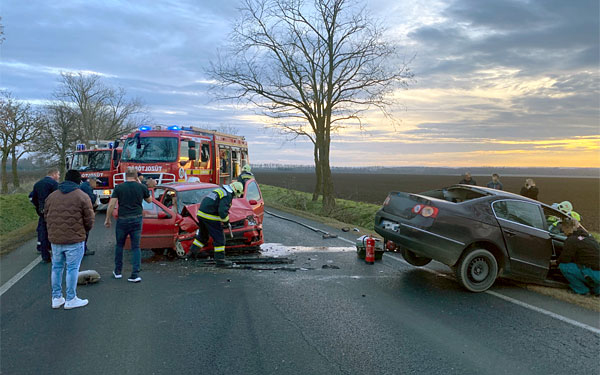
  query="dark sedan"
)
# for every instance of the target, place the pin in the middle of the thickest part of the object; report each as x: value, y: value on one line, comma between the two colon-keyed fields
x: 480, y: 233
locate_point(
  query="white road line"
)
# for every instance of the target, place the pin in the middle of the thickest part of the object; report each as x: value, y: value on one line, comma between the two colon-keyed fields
x: 7, y: 285
x: 516, y: 302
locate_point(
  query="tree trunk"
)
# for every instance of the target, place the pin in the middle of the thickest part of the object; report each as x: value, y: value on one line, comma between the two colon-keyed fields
x: 318, y: 172
x: 62, y: 163
x: 15, y: 173
x: 328, y: 189
x: 4, y: 174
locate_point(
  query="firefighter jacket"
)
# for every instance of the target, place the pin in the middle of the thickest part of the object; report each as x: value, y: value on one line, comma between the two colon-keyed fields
x: 245, y: 176
x: 215, y: 206
x: 41, y: 190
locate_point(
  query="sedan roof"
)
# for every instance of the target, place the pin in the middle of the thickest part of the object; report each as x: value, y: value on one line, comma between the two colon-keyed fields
x: 494, y: 192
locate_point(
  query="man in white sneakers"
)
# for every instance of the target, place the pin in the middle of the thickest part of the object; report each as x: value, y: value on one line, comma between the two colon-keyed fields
x: 69, y: 216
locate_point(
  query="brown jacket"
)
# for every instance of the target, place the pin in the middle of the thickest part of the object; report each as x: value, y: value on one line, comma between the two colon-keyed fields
x: 69, y: 214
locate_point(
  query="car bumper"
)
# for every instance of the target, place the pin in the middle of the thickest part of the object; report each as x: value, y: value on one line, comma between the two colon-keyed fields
x: 422, y: 241
x: 242, y: 238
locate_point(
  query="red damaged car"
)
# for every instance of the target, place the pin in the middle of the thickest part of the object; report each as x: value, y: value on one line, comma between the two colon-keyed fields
x: 170, y: 220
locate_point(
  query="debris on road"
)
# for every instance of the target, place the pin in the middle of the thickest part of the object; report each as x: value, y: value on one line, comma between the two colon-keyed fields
x: 330, y: 266
x: 88, y: 277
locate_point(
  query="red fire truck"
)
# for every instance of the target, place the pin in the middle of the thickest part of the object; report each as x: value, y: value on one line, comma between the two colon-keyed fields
x: 101, y: 160
x: 178, y: 154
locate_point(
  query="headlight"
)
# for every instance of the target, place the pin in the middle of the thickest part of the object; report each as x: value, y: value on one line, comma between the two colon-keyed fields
x: 251, y: 220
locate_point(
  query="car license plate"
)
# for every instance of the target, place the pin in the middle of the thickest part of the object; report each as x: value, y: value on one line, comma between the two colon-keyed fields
x: 390, y: 225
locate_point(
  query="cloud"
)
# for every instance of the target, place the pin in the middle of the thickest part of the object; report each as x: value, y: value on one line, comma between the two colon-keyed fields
x: 489, y: 74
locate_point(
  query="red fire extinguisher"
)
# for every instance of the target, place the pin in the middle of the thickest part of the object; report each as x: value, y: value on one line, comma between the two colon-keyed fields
x: 370, y: 251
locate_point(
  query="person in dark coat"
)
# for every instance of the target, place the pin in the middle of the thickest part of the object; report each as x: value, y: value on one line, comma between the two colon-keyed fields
x: 495, y: 183
x: 530, y: 190
x: 41, y: 190
x: 88, y: 188
x: 579, y: 260
x: 467, y: 180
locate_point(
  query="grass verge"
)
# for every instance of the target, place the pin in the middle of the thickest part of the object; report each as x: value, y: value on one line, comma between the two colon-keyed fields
x: 362, y: 215
x: 356, y: 214
x: 18, y: 221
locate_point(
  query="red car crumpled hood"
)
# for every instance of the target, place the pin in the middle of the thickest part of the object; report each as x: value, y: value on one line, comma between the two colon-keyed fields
x: 240, y: 209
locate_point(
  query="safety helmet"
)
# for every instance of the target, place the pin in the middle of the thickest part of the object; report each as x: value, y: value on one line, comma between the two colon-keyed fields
x: 246, y: 168
x: 565, y: 207
x: 238, y: 188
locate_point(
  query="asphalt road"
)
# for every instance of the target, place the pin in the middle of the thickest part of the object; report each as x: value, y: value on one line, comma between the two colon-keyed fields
x: 185, y: 318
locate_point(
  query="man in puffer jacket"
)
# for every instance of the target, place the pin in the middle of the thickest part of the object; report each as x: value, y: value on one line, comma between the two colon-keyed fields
x: 69, y: 215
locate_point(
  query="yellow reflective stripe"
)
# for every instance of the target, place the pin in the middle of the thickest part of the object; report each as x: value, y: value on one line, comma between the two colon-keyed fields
x: 211, y: 217
x: 246, y: 176
x: 220, y: 192
x: 198, y: 243
x: 219, y: 249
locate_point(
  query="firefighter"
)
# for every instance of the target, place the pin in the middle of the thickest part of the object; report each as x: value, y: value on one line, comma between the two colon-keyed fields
x: 212, y: 214
x: 245, y: 175
x: 41, y: 191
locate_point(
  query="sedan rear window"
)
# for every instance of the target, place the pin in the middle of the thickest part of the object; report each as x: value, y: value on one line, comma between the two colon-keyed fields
x: 521, y: 212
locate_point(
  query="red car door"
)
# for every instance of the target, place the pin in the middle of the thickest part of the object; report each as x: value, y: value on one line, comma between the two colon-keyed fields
x: 255, y: 199
x: 158, y: 229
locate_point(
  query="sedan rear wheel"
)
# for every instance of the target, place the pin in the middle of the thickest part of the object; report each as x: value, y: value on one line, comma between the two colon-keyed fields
x: 477, y: 270
x: 415, y: 259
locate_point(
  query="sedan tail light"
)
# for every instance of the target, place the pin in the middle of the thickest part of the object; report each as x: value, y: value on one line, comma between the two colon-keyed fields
x: 425, y: 211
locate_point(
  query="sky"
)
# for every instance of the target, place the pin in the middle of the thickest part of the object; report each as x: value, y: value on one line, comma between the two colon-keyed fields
x: 497, y: 83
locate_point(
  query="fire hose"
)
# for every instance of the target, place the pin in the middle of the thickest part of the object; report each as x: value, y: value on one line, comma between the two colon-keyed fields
x: 324, y: 233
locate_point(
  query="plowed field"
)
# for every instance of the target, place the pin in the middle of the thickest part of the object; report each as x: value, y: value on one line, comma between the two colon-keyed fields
x: 584, y: 193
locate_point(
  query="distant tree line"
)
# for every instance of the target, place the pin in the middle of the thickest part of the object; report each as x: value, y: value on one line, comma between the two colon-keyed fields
x: 83, y: 108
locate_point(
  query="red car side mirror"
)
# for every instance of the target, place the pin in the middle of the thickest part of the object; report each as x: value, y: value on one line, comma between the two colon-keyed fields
x: 252, y: 202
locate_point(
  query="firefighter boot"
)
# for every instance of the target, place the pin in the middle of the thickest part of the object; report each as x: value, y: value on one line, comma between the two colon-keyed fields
x: 220, y: 260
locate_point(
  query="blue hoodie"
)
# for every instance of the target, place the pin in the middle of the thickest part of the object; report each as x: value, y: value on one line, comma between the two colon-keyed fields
x: 67, y: 187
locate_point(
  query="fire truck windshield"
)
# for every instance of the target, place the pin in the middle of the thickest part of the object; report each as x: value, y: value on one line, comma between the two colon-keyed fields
x: 92, y: 160
x: 150, y: 149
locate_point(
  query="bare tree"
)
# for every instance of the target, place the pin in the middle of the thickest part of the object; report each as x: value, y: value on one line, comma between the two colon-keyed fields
x: 57, y: 140
x: 312, y: 67
x: 19, y: 125
x: 101, y: 112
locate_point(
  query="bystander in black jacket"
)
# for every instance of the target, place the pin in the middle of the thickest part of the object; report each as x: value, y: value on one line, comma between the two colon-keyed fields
x: 582, y: 249
x: 41, y: 190
x: 469, y: 182
x: 85, y: 186
x: 531, y: 192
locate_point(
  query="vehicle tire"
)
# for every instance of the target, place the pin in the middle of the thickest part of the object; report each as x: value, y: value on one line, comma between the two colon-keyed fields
x: 477, y: 270
x: 415, y: 259
x: 179, y: 250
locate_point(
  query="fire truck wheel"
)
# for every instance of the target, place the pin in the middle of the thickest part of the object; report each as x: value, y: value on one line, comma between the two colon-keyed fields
x: 179, y: 250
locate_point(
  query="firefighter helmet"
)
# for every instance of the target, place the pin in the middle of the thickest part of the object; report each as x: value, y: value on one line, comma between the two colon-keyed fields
x: 246, y: 168
x: 238, y: 189
x: 565, y: 207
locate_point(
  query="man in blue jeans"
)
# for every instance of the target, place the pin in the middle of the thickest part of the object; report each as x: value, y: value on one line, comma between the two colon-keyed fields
x: 129, y: 195
x: 579, y: 260
x: 69, y: 216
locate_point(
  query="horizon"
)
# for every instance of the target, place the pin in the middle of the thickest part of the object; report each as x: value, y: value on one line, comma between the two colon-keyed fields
x: 498, y: 84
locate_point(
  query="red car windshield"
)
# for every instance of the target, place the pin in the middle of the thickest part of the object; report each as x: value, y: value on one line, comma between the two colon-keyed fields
x: 187, y: 197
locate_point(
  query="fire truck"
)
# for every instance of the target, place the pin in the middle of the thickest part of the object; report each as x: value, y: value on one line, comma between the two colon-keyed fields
x: 101, y: 160
x: 178, y: 154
